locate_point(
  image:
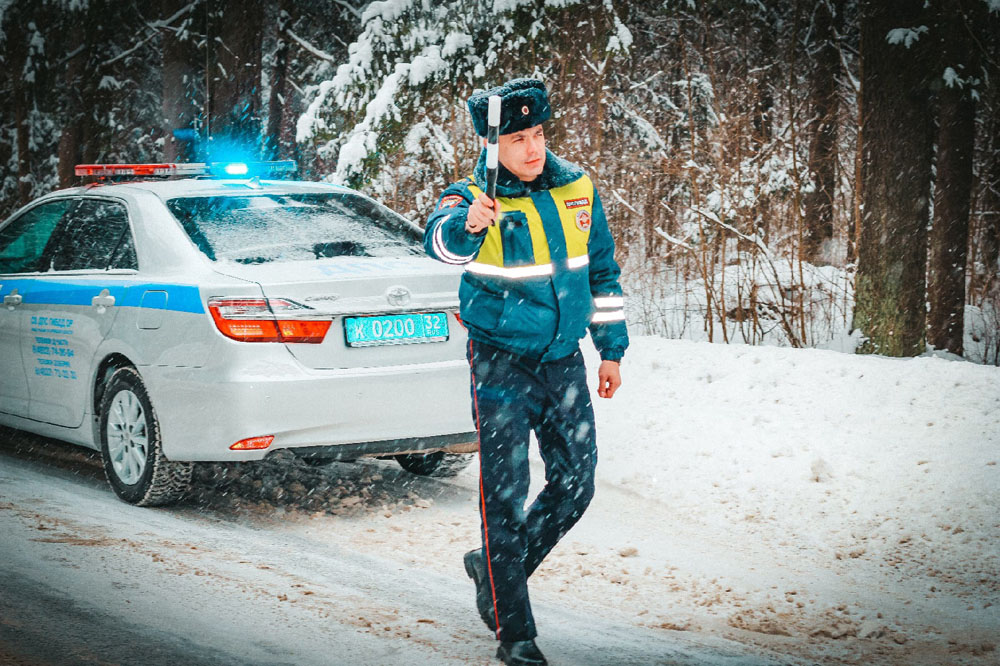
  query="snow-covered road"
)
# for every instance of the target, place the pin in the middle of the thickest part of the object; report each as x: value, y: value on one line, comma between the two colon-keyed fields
x: 88, y: 579
x: 754, y: 505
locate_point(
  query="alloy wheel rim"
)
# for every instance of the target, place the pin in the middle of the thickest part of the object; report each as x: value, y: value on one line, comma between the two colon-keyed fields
x: 128, y: 437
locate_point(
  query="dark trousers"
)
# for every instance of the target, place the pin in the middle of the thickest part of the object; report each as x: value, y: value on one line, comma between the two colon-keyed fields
x: 513, y: 396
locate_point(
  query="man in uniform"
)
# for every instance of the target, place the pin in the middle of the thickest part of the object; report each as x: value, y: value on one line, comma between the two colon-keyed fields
x: 539, y: 271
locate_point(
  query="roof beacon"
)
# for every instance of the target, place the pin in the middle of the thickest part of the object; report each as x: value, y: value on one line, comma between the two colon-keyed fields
x: 218, y: 169
x: 140, y: 169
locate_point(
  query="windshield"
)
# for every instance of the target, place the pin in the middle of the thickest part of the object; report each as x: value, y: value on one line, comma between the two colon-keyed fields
x: 294, y: 227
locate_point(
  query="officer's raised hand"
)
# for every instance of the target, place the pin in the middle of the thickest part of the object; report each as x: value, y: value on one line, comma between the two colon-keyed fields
x: 609, y: 378
x: 482, y: 213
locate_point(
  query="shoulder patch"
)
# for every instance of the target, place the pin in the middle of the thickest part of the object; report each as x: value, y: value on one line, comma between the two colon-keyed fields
x: 449, y: 201
x: 577, y: 203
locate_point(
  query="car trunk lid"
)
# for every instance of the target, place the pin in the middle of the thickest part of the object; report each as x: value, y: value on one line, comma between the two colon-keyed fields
x: 398, y: 291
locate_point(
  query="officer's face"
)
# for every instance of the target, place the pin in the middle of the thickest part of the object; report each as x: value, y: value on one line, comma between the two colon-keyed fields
x: 523, y: 153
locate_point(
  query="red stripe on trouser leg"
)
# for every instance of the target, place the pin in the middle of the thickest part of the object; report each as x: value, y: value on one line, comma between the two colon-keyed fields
x: 482, y: 493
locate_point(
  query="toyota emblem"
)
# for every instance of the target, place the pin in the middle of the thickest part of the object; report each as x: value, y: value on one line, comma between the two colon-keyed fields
x: 397, y: 295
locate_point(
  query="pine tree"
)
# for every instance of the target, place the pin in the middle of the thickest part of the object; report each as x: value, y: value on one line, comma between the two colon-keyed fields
x: 896, y: 175
x: 819, y: 203
x: 394, y: 115
x: 949, y: 237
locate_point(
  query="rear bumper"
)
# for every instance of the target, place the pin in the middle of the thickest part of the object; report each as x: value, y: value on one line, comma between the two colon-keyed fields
x: 332, y: 413
x: 464, y: 442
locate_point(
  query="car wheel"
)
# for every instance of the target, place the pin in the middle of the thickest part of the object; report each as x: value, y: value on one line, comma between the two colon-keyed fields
x: 439, y: 464
x: 131, y: 449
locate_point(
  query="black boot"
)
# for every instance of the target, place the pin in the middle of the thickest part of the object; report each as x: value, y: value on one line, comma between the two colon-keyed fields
x: 521, y: 653
x: 476, y: 568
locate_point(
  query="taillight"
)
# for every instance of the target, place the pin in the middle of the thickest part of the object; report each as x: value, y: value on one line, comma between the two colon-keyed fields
x: 263, y: 320
x: 253, y: 443
x: 458, y: 318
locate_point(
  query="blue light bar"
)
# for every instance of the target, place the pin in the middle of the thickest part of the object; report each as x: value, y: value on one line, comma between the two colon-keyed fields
x: 250, y: 169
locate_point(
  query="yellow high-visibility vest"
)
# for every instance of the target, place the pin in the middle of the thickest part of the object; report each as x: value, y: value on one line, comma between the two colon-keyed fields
x: 520, y: 229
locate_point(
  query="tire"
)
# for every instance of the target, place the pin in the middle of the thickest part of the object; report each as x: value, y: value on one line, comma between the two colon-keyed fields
x: 438, y: 464
x: 131, y: 449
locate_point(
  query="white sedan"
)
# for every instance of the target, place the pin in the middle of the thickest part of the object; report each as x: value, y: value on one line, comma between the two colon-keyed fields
x: 169, y: 321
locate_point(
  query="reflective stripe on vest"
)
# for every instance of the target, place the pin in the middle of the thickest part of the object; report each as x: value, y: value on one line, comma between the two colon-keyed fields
x: 537, y: 270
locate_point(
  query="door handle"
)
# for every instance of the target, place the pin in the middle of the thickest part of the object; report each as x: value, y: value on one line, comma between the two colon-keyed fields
x: 12, y: 299
x: 103, y: 300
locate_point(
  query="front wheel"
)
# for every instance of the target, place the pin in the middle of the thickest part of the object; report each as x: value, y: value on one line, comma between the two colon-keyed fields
x: 131, y: 449
x: 439, y: 464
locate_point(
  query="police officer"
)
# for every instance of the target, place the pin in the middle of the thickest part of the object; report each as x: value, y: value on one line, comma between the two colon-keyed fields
x: 539, y: 271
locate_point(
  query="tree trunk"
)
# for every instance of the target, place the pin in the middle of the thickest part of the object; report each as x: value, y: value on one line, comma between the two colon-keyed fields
x: 854, y: 220
x: 823, y: 146
x: 276, y: 140
x: 762, y: 115
x: 93, y: 104
x: 176, y: 108
x: 17, y: 59
x: 69, y: 140
x: 6, y: 152
x: 989, y: 198
x: 763, y: 123
x: 896, y: 175
x: 990, y: 205
x: 953, y: 187
x: 21, y: 122
x: 234, y: 105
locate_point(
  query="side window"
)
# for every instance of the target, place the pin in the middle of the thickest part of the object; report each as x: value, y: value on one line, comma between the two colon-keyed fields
x: 96, y: 236
x: 23, y: 241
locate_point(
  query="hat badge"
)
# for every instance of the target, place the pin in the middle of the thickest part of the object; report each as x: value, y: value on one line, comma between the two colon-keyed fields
x: 525, y: 110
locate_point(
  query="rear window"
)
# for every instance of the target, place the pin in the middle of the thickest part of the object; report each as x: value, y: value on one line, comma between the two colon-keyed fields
x: 294, y: 227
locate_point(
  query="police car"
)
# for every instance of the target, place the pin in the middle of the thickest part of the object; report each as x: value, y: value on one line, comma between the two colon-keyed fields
x: 223, y: 316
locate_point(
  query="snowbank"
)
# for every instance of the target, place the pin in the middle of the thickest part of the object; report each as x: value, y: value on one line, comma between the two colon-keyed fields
x: 852, y: 454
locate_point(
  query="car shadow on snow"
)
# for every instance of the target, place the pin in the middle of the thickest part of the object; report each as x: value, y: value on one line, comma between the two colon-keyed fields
x: 284, y: 484
x: 278, y: 486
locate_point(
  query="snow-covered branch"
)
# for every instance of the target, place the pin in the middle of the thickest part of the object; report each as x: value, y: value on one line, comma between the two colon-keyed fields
x: 670, y: 239
x: 712, y: 217
x: 319, y: 53
x: 623, y: 202
x: 351, y: 10
x: 155, y: 27
x: 644, y: 83
x: 69, y: 56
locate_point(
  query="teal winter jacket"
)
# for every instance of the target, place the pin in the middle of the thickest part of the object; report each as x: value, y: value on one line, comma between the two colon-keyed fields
x: 536, y: 280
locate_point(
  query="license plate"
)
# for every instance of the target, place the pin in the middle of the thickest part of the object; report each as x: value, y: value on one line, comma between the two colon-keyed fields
x: 400, y: 329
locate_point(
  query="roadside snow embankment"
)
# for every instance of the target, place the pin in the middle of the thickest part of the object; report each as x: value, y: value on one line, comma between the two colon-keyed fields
x: 840, y: 452
x: 882, y: 471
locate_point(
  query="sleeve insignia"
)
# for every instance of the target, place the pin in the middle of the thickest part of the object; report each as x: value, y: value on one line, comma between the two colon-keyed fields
x: 449, y: 201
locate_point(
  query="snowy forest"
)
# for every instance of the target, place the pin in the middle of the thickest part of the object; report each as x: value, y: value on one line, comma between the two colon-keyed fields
x: 822, y: 174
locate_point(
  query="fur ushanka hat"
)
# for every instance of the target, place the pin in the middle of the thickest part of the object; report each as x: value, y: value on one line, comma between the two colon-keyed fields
x: 524, y: 103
